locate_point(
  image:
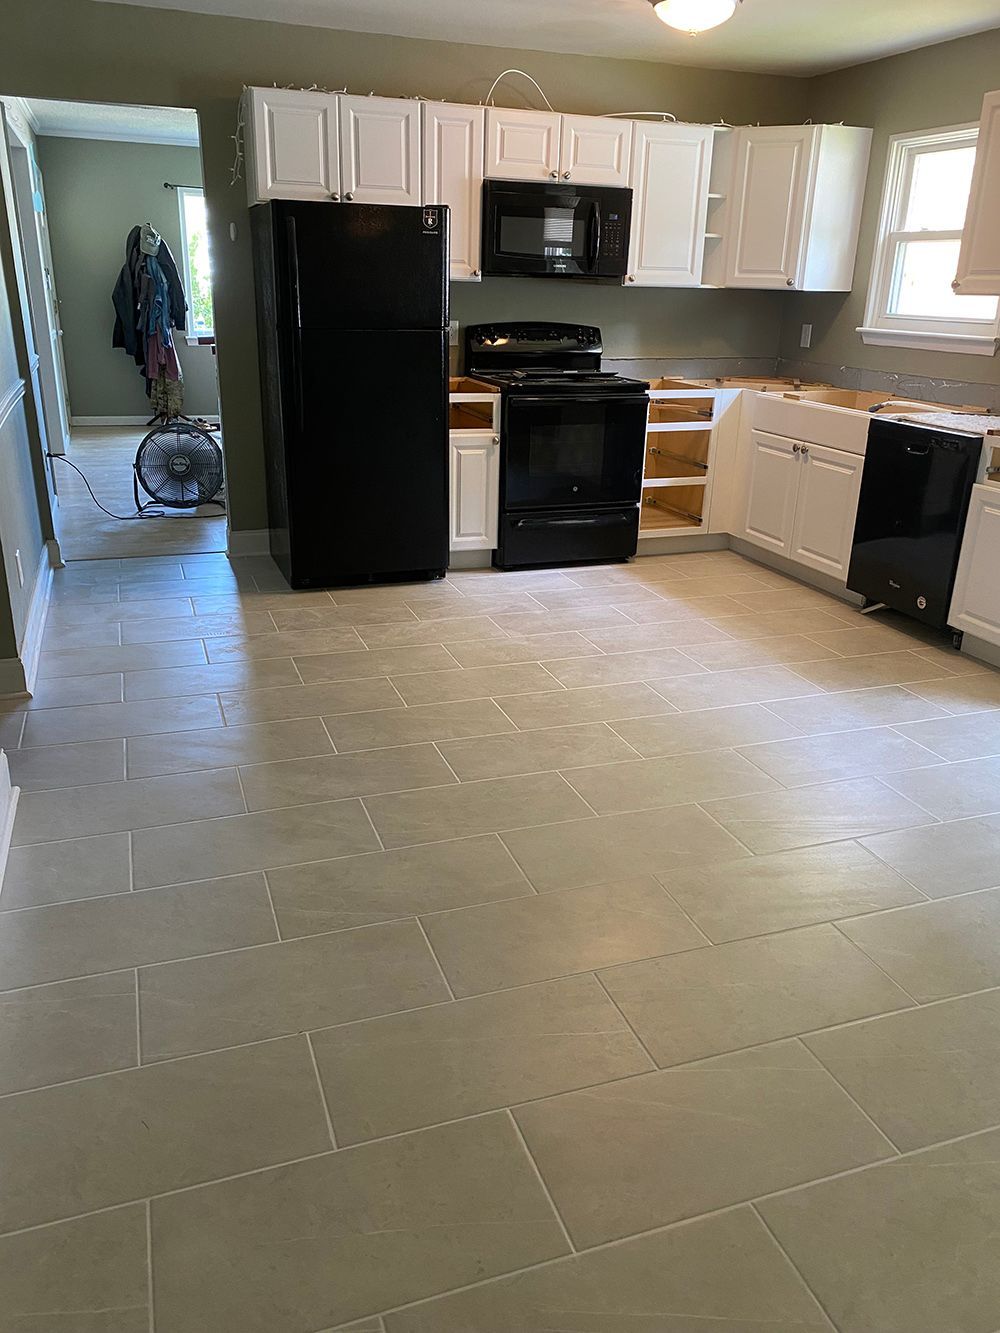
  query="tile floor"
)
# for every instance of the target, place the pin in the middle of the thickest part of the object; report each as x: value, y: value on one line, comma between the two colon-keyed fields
x: 603, y: 949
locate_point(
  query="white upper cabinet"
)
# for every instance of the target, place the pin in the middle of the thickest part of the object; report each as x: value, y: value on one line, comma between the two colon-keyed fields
x: 292, y: 145
x: 595, y: 150
x: 380, y: 150
x: 522, y: 145
x: 979, y: 260
x: 453, y: 174
x: 671, y: 165
x: 796, y: 206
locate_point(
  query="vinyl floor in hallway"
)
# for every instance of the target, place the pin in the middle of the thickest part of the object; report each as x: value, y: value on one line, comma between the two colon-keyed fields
x: 598, y: 950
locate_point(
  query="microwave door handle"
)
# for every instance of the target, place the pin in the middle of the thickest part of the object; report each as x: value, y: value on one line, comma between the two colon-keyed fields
x: 595, y: 237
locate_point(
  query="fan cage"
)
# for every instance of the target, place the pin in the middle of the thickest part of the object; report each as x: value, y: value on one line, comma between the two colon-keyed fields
x: 179, y: 466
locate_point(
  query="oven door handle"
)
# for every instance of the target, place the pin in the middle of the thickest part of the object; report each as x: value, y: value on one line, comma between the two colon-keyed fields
x: 592, y: 521
x: 555, y: 399
x: 594, y: 248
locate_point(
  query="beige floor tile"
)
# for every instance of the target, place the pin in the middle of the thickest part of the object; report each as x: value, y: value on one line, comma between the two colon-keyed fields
x: 558, y: 622
x: 94, y: 722
x: 426, y: 593
x: 620, y: 668
x: 709, y: 729
x: 456, y: 630
x: 408, y: 1070
x: 710, y: 1001
x: 224, y: 747
x: 719, y: 689
x: 251, y: 995
x: 241, y: 843
x: 222, y: 626
x: 970, y: 736
x: 959, y: 663
x: 480, y: 581
x: 762, y: 625
x: 406, y: 818
x: 924, y: 1076
x: 55, y: 872
x: 329, y: 777
x: 534, y: 751
x: 79, y: 636
x: 791, y: 598
x: 726, y: 583
x: 944, y: 859
x: 106, y: 613
x: 530, y: 648
x: 434, y: 687
x: 647, y: 784
x: 282, y: 600
x: 172, y: 681
x: 733, y: 900
x: 936, y: 949
x: 849, y: 711
x: 51, y: 766
x: 407, y: 726
x: 736, y: 653
x: 383, y: 886
x: 68, y: 691
x: 681, y: 1142
x: 953, y: 791
x: 839, y: 754
x: 130, y: 657
x: 114, y: 807
x: 677, y: 606
x: 11, y: 725
x: 512, y: 604
x: 556, y: 934
x: 49, y: 1034
x: 388, y: 1223
x: 858, y: 673
x: 254, y: 646
x: 291, y: 701
x: 125, y: 1136
x: 909, y: 1247
x: 315, y: 668
x: 668, y: 634
x: 620, y: 595
x: 76, y: 939
x: 865, y: 640
x: 598, y: 703
x: 593, y: 851
x: 91, y: 1272
x: 722, y: 1272
x: 337, y: 617
x: 962, y: 693
x: 827, y: 812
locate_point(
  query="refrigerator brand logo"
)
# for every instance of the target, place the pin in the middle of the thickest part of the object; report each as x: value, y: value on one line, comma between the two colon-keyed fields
x: 432, y: 219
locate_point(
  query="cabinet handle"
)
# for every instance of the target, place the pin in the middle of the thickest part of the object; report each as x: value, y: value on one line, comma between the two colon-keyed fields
x: 790, y: 282
x: 554, y: 175
x: 796, y: 448
x: 349, y: 198
x: 565, y: 175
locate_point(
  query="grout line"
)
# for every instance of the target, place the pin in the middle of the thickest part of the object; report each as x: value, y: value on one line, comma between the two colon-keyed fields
x: 437, y: 961
x: 874, y: 962
x: 541, y: 1179
x: 378, y: 836
x: 653, y: 1066
x: 279, y: 938
x: 149, y: 1266
x: 793, y: 1265
x: 239, y: 780
x: 851, y: 1097
x: 138, y: 1022
x: 131, y: 871
x: 322, y: 1091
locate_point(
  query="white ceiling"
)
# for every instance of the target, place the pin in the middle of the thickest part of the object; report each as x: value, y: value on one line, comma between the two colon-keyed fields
x: 101, y: 120
x: 782, y: 36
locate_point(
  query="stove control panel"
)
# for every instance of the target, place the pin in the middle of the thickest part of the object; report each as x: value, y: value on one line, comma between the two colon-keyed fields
x: 520, y: 338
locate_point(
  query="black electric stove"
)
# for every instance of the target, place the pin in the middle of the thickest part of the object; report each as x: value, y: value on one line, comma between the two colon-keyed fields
x: 572, y: 442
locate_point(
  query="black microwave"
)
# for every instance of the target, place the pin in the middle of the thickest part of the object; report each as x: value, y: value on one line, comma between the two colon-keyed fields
x: 555, y: 231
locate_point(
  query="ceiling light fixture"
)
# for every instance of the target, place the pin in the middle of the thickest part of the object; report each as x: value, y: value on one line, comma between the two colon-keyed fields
x: 694, y: 16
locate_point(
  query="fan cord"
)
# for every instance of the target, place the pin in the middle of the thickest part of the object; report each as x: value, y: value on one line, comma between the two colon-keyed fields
x: 122, y: 518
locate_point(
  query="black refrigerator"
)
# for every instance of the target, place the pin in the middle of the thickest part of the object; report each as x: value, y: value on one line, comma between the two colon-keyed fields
x: 352, y: 319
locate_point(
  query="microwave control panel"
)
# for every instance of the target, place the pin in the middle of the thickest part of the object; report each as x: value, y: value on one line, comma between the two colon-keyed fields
x: 613, y: 235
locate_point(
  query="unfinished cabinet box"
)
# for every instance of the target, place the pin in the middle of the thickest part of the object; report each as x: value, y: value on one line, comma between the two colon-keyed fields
x: 474, y: 466
x: 680, y: 448
x: 292, y: 145
x: 452, y: 142
x: 671, y: 167
x: 979, y: 259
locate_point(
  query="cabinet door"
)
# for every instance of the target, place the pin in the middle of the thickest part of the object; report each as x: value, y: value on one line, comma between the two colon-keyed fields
x: 475, y: 490
x: 380, y: 150
x: 453, y: 175
x: 292, y: 145
x: 770, y: 187
x: 827, y: 505
x: 670, y: 173
x: 773, y: 485
x: 522, y: 145
x: 975, y: 606
x: 979, y: 260
x: 595, y: 150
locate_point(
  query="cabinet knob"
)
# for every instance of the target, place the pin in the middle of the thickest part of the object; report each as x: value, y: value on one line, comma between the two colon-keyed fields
x: 565, y: 175
x: 334, y: 195
x: 496, y: 439
x: 554, y: 175
x: 631, y: 277
x: 796, y: 448
x: 477, y: 273
x: 790, y: 282
x: 805, y: 450
x: 955, y: 285
x: 349, y: 198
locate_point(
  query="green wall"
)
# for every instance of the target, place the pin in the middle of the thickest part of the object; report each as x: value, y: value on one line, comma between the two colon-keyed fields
x: 95, y: 192
x: 115, y: 53
x: 937, y: 86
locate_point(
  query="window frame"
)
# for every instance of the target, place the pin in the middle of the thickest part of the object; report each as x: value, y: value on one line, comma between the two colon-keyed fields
x: 192, y: 336
x: 881, y: 328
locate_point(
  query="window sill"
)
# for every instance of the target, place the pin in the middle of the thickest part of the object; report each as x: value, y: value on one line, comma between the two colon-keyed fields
x: 199, y: 339
x: 970, y: 343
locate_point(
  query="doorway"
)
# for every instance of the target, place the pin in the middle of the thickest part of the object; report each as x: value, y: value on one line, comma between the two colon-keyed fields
x: 108, y: 199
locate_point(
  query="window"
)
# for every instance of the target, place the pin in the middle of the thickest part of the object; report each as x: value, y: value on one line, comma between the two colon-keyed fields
x: 197, y: 262
x: 910, y: 299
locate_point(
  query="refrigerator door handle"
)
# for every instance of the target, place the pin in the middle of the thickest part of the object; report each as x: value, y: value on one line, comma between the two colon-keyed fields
x: 296, y: 344
x: 595, y: 237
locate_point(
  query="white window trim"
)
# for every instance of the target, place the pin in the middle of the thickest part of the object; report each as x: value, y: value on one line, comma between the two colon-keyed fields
x: 192, y: 338
x: 881, y: 329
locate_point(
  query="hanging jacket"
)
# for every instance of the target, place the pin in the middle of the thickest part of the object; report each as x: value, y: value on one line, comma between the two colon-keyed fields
x: 128, y: 292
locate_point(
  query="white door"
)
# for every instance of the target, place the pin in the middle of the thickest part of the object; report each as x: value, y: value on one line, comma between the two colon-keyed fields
x: 293, y: 145
x: 595, y: 150
x: 975, y: 606
x: 773, y: 486
x: 453, y: 174
x: 979, y: 260
x: 522, y: 145
x: 770, y: 187
x: 671, y: 165
x: 475, y: 490
x: 827, y: 506
x: 380, y: 150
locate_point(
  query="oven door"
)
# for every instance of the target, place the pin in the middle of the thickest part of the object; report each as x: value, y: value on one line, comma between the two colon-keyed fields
x: 581, y: 450
x: 554, y: 230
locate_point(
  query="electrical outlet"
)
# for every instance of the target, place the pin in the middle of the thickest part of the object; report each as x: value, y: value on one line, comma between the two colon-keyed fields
x: 807, y: 336
x: 453, y: 333
x: 19, y: 567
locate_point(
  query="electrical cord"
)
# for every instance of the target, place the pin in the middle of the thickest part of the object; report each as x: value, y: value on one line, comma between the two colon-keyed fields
x: 122, y: 518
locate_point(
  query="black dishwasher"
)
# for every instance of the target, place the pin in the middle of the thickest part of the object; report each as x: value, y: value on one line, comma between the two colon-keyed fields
x: 915, y: 491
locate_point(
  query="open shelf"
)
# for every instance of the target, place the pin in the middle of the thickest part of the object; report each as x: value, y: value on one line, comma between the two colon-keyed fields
x: 671, y: 509
x: 696, y: 412
x: 672, y: 456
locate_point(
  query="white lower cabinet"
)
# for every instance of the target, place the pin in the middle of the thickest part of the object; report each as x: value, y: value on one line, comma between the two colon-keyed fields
x: 475, y: 490
x: 802, y: 500
x: 975, y: 604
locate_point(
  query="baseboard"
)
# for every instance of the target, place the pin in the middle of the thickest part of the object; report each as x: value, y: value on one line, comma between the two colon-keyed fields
x: 17, y: 674
x: 109, y: 421
x: 12, y: 682
x: 249, y: 541
x: 8, y: 809
x: 981, y: 649
x: 794, y: 570
x: 470, y: 560
x: 706, y: 541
